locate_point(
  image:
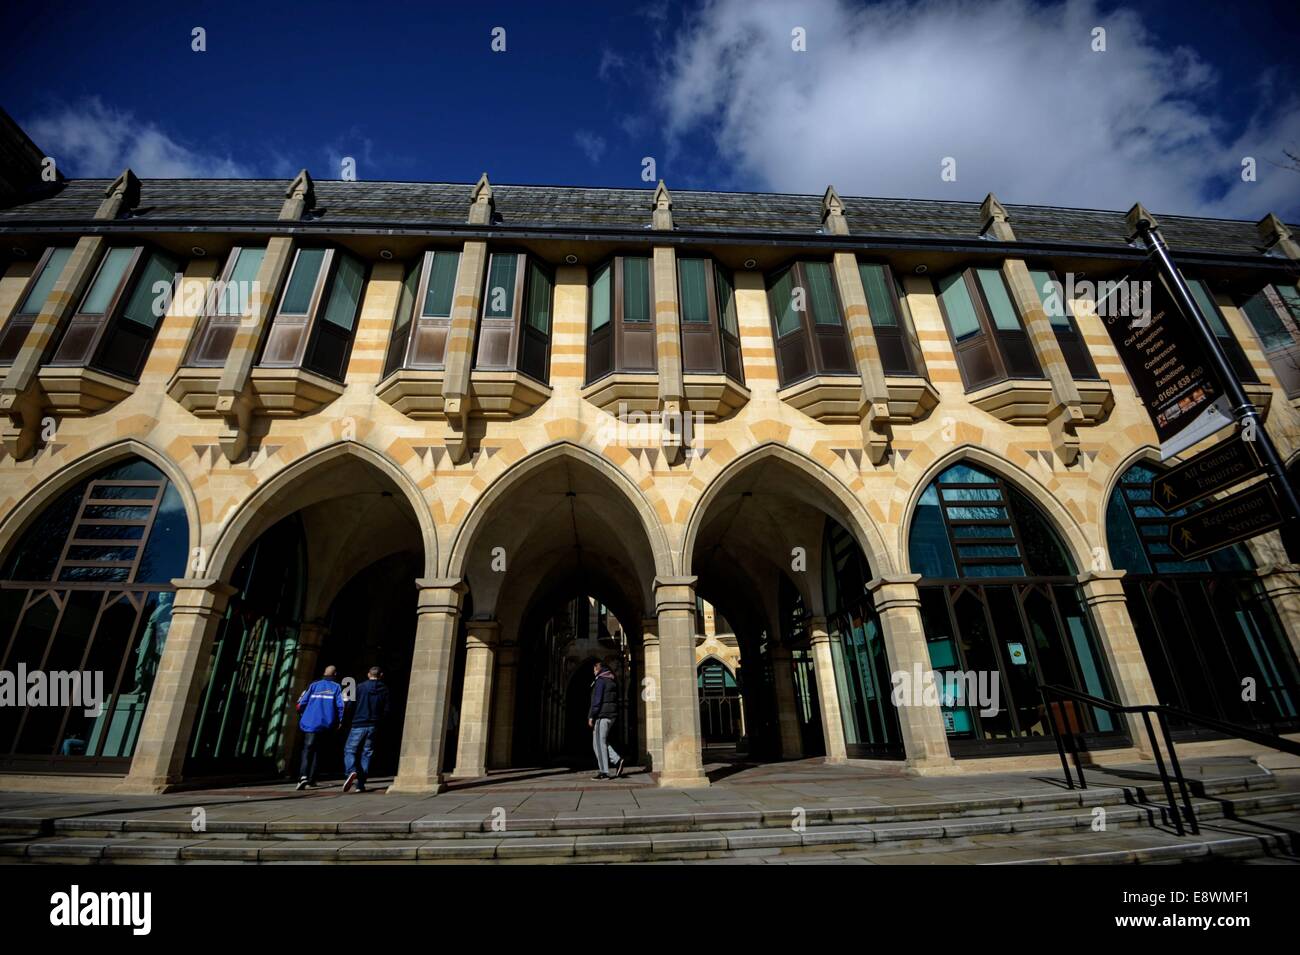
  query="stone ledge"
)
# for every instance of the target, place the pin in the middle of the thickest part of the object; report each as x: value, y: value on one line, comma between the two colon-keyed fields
x: 714, y: 396
x: 831, y: 399
x: 75, y: 391
x: 1261, y: 396
x: 495, y: 395
x: 275, y: 392
x: 1016, y: 400
x: 639, y: 391
x: 911, y: 398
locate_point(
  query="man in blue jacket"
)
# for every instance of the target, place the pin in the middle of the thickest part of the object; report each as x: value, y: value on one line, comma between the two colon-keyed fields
x: 601, y: 716
x: 321, y: 706
x: 368, y: 715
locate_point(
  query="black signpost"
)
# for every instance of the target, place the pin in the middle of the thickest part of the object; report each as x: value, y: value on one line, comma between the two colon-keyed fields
x: 1237, y: 518
x: 1227, y: 463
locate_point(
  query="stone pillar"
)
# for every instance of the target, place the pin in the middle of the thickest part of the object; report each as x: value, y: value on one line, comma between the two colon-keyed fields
x: 178, y: 686
x: 1281, y: 583
x: 874, y: 397
x: 476, y: 698
x: 828, y: 693
x: 679, y: 704
x: 305, y: 669
x: 428, y: 704
x: 652, y: 752
x: 786, y: 705
x: 1103, y: 593
x: 503, y: 707
x: 898, y: 602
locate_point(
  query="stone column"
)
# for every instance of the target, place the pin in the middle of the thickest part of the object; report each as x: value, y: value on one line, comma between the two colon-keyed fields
x: 178, y: 686
x: 679, y: 704
x: 476, y: 698
x: 786, y: 705
x: 428, y: 704
x: 652, y: 736
x: 503, y: 708
x: 898, y: 602
x: 1282, y: 585
x: 1103, y: 593
x: 828, y: 693
x: 305, y: 669
x: 874, y: 398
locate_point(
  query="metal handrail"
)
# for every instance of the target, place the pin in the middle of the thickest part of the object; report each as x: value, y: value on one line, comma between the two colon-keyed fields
x: 1162, y: 714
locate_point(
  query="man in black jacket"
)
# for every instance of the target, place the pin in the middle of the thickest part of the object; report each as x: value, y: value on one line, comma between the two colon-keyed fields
x: 604, y: 710
x: 368, y: 715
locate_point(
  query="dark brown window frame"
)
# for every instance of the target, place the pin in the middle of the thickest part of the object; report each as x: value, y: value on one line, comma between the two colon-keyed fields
x: 19, y: 323
x: 514, y: 336
x: 1284, y: 359
x: 81, y: 342
x: 620, y: 336
x: 904, y: 331
x: 418, y: 329
x: 200, y: 354
x: 295, y: 336
x: 813, y: 338
x: 1078, y: 357
x: 990, y: 338
x: 1232, y: 349
x: 711, y: 337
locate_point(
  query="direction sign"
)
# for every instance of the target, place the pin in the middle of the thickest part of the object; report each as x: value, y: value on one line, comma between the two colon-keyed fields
x: 1237, y: 518
x: 1225, y: 464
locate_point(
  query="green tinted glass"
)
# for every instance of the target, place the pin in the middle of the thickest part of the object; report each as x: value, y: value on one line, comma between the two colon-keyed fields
x: 44, y: 283
x: 636, y: 290
x: 442, y: 285
x: 781, y: 298
x: 238, y: 293
x: 1273, y: 334
x: 726, y: 301
x: 345, y: 295
x: 692, y: 276
x: 600, y: 298
x: 501, y: 286
x: 538, y: 311
x: 957, y: 303
x: 875, y: 282
x: 148, y: 301
x: 1205, y: 301
x: 821, y: 293
x: 1053, y: 298
x: 106, y: 282
x: 297, y: 297
x: 995, y: 292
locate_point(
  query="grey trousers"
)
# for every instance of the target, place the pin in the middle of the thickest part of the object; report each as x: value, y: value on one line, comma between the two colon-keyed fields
x: 605, y: 753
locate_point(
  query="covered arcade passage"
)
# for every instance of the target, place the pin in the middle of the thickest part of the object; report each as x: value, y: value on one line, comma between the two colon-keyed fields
x: 318, y: 567
x: 565, y: 563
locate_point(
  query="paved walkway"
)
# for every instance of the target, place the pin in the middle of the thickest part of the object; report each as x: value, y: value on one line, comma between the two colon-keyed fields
x: 558, y: 795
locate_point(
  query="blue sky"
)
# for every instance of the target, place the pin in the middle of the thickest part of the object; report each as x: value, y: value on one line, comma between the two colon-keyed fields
x: 882, y: 94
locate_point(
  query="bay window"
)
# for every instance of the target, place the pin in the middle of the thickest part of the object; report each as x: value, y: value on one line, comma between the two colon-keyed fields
x: 1274, y: 313
x: 423, y: 320
x: 316, y: 320
x: 515, y: 328
x: 620, y: 319
x: 223, y: 312
x: 1227, y: 341
x: 710, y: 334
x: 988, y: 337
x: 1073, y: 348
x: 32, y: 300
x: 808, y: 323
x: 891, y: 323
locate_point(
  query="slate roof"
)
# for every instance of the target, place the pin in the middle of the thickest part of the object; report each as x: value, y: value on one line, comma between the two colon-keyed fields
x: 214, y: 201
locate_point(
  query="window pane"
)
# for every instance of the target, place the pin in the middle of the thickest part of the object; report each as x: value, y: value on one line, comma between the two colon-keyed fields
x: 821, y: 293
x: 1046, y: 287
x: 501, y: 286
x: 110, y: 274
x: 1267, y: 323
x: 297, y: 297
x: 345, y: 295
x: 995, y: 291
x: 875, y: 281
x: 539, y: 299
x: 726, y: 301
x: 782, y: 301
x: 1206, y: 303
x: 238, y: 293
x: 36, y: 298
x: 600, y: 299
x: 636, y: 290
x: 442, y: 285
x: 691, y: 276
x: 957, y: 303
x: 143, y: 305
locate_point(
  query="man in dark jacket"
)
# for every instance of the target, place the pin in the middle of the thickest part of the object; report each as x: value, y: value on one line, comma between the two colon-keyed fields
x: 604, y: 710
x: 368, y: 716
x: 321, y: 709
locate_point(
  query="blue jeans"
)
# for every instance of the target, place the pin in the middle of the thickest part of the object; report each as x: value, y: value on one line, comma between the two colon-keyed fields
x: 359, y: 738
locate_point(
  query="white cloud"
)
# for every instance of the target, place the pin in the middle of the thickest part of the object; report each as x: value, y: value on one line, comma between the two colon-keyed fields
x: 590, y: 143
x: 1010, y: 89
x: 90, y: 140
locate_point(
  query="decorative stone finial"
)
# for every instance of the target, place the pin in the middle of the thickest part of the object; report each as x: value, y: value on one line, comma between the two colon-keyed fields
x: 1136, y: 217
x: 299, y: 197
x: 482, y: 205
x: 833, y: 221
x: 1275, y: 236
x: 994, y: 220
x: 662, y: 205
x: 122, y: 195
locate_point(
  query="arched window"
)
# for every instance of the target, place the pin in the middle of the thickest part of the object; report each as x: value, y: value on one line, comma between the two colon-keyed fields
x: 86, y: 599
x: 1207, y: 630
x: 1002, y: 612
x: 721, y: 720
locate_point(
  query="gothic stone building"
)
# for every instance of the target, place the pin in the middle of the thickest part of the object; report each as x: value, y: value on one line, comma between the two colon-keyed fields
x: 482, y: 435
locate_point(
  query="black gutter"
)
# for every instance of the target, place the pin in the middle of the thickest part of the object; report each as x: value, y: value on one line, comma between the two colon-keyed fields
x: 622, y: 234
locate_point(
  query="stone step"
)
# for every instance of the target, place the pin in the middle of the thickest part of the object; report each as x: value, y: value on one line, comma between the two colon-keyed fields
x: 1243, y: 794
x: 1130, y: 836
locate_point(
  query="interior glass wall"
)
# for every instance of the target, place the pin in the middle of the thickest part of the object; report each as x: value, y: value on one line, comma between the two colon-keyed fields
x: 1002, y: 612
x: 721, y: 718
x: 85, y: 605
x: 1209, y: 634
